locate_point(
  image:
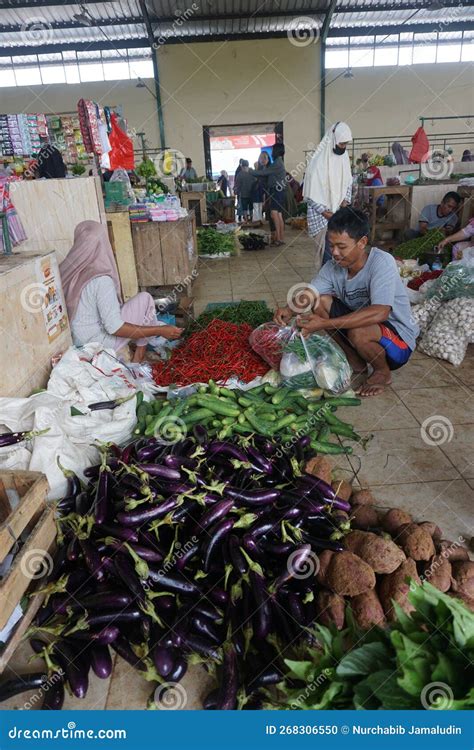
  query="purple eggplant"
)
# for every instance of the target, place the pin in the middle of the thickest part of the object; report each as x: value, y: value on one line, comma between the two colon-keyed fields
x: 101, y: 661
x: 163, y: 659
x: 208, y: 610
x: 54, y: 694
x: 214, y: 514
x: 103, y: 637
x: 75, y: 663
x: 11, y: 438
x: 205, y: 627
x: 269, y: 676
x: 131, y: 614
x: 92, y: 559
x: 190, y: 551
x: 251, y: 546
x: 202, y: 646
x: 180, y: 669
x: 200, y: 433
x: 120, y: 532
x: 262, y: 615
x: 123, y: 648
x: 150, y: 555
x: 238, y: 560
x: 278, y: 548
x: 83, y: 503
x: 210, y: 701
x: 168, y: 582
x: 125, y: 570
x: 217, y: 534
x: 259, y: 462
x: 101, y: 405
x: 160, y: 470
x: 227, y: 700
x: 101, y: 502
x: 219, y: 596
x: 177, y: 462
x: 73, y: 550
x: 253, y: 498
x: 21, y: 683
x: 220, y: 447
x: 137, y: 517
x: 262, y: 526
x: 300, y: 559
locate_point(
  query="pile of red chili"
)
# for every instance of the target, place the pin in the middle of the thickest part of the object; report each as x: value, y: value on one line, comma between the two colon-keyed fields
x: 218, y: 352
x: 426, y: 276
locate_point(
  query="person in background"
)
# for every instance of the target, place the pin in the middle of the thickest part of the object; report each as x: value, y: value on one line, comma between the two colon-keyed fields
x: 92, y: 291
x: 442, y: 216
x: 188, y: 172
x: 258, y: 195
x: 374, y: 179
x: 467, y: 156
x: 50, y: 163
x: 361, y: 301
x: 275, y: 174
x: 236, y: 174
x: 243, y: 187
x: 327, y: 185
x: 463, y: 239
x: 401, y: 156
x: 223, y: 182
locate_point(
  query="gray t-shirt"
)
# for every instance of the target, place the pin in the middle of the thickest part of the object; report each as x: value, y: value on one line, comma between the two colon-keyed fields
x: 377, y: 283
x: 430, y: 215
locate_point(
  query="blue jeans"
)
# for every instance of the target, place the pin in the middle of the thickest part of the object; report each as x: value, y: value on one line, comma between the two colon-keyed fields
x: 327, y: 251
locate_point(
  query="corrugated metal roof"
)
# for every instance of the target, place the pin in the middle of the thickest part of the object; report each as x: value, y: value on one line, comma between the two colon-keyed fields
x: 35, y: 25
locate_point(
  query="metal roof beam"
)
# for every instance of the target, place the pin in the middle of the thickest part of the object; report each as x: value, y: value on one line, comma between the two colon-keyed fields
x: 417, y: 28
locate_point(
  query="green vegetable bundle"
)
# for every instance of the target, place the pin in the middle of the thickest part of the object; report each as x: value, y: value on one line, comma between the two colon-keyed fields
x: 424, y: 660
x: 253, y: 313
x: 212, y: 242
x: 416, y: 247
x: 316, y: 360
x: 266, y: 410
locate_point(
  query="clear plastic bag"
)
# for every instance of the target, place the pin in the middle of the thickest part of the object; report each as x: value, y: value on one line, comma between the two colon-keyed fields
x: 456, y: 281
x: 315, y: 360
x: 269, y: 341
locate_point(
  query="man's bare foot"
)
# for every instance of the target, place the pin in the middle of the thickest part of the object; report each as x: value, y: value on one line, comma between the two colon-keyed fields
x: 376, y: 384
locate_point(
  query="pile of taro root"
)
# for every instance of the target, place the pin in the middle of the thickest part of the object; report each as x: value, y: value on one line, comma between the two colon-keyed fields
x: 386, y: 551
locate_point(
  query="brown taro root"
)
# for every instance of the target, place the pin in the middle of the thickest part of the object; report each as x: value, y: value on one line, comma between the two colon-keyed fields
x: 348, y: 575
x: 324, y: 558
x: 364, y: 517
x: 452, y: 550
x: 394, y: 518
x: 395, y: 587
x: 330, y: 608
x: 342, y: 488
x: 463, y: 577
x: 367, y: 610
x: 320, y: 466
x: 383, y: 555
x: 433, y: 530
x: 415, y: 541
x: 438, y: 573
x: 467, y: 600
x: 362, y: 497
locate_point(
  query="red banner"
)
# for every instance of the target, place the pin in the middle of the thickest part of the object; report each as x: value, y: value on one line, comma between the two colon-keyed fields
x: 233, y: 142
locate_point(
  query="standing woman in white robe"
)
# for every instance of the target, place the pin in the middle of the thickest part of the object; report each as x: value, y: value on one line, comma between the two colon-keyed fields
x: 327, y: 184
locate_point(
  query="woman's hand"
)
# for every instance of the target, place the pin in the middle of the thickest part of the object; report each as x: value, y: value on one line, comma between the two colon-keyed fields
x: 327, y: 215
x: 171, y: 332
x: 443, y: 243
x: 283, y: 315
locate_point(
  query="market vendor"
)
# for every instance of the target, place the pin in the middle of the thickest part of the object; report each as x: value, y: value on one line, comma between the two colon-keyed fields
x: 463, y: 239
x: 360, y: 300
x: 442, y: 216
x: 92, y: 291
x: 188, y: 172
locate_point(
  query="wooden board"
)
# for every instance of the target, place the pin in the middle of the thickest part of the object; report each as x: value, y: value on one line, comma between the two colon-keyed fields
x: 120, y: 235
x: 19, y: 578
x: 32, y: 486
x: 19, y: 630
x: 26, y: 350
x: 165, y: 252
x: 51, y: 209
x: 147, y: 248
x: 196, y: 202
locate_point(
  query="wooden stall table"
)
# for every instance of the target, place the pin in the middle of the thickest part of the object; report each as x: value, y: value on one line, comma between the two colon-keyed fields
x: 195, y: 201
x: 165, y: 252
x: 120, y: 235
x: 395, y: 217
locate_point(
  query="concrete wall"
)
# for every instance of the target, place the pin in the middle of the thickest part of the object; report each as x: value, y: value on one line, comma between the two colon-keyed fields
x: 266, y: 80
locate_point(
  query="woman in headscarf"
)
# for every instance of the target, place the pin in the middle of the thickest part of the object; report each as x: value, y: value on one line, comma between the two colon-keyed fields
x: 328, y: 185
x: 92, y: 291
x: 466, y: 155
x: 374, y: 179
x: 50, y: 164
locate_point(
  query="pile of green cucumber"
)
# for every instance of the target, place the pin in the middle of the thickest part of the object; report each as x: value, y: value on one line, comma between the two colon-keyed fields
x: 270, y: 411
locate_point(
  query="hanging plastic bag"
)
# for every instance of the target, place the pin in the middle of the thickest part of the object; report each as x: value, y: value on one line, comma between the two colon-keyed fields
x: 315, y: 360
x: 269, y: 341
x: 121, y: 154
x: 421, y: 147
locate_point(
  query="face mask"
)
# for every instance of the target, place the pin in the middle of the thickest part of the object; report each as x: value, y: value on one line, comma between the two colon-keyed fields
x: 338, y: 150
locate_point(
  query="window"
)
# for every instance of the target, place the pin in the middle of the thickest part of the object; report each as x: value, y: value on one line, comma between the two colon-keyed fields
x: 7, y: 77
x: 116, y: 71
x: 361, y: 57
x: 53, y: 74
x: 448, y: 53
x: 385, y: 55
x: 141, y: 69
x: 28, y: 76
x: 91, y: 72
x: 72, y: 73
x: 337, y: 58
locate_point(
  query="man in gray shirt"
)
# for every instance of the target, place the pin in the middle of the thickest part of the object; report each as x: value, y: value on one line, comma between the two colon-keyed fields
x: 360, y: 300
x: 441, y: 216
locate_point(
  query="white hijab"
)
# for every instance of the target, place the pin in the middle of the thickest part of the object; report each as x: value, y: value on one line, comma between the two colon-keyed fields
x: 328, y: 175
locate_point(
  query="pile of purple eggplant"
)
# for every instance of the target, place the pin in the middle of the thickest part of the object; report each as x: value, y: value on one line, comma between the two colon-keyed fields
x: 201, y: 551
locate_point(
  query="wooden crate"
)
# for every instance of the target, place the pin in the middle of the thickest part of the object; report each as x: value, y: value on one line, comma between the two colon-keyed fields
x: 32, y: 487
x: 120, y: 235
x: 165, y: 252
x: 196, y: 202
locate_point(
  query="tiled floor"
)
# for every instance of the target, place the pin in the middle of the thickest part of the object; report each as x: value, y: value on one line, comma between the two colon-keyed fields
x: 421, y: 456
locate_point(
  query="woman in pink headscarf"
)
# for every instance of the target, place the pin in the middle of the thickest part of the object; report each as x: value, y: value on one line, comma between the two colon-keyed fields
x: 92, y: 290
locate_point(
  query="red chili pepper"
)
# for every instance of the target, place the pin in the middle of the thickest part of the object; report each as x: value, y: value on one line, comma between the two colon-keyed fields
x: 218, y: 352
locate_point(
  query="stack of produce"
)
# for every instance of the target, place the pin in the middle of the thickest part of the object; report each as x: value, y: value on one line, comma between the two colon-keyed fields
x: 219, y: 352
x: 252, y: 241
x: 203, y: 551
x: 418, y: 246
x: 212, y: 242
x: 252, y: 313
x: 419, y: 280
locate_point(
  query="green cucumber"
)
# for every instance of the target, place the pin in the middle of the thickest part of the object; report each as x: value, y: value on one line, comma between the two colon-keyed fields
x: 197, y: 415
x: 218, y: 406
x: 330, y: 448
x: 344, y: 401
x: 264, y: 428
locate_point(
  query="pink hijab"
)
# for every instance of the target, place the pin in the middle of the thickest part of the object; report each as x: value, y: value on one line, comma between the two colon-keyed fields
x: 90, y: 256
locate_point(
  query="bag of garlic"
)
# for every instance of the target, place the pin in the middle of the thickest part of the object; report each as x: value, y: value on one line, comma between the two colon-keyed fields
x: 424, y: 314
x: 451, y: 330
